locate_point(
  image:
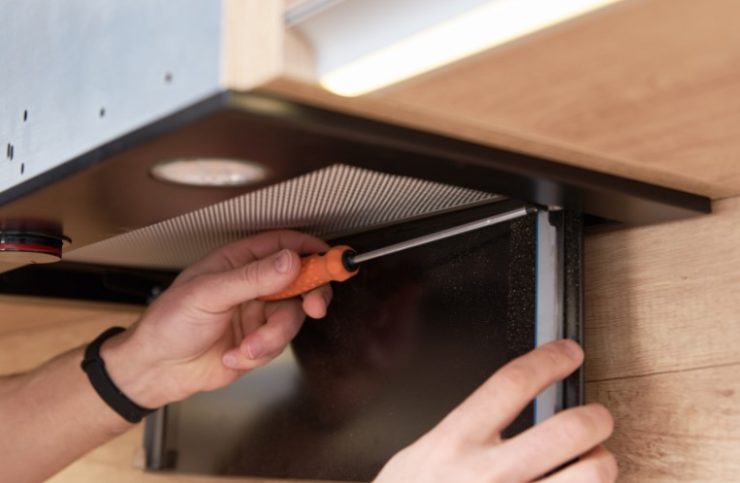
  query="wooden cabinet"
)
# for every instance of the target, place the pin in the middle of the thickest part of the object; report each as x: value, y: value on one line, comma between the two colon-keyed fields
x: 647, y: 89
x: 662, y: 319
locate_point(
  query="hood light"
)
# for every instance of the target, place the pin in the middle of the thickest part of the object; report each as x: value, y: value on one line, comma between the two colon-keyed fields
x: 493, y: 23
x: 209, y: 172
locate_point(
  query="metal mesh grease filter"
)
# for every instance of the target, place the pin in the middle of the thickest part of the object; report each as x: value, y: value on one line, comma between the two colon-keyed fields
x: 335, y: 200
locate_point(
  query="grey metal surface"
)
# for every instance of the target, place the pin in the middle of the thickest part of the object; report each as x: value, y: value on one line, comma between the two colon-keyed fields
x: 548, y: 306
x: 441, y: 235
x: 154, y: 444
x: 79, y: 73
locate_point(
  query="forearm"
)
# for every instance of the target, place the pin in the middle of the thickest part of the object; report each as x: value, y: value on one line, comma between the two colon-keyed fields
x: 196, y: 336
x: 50, y: 417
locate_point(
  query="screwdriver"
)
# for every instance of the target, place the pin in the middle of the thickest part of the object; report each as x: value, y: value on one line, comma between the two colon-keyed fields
x: 341, y: 263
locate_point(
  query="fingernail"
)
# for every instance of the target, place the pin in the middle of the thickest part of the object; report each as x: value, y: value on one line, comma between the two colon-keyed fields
x: 571, y: 348
x: 229, y: 360
x: 255, y: 349
x: 282, y: 261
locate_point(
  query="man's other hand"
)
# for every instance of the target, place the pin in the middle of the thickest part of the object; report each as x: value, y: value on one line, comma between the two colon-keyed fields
x: 467, y: 445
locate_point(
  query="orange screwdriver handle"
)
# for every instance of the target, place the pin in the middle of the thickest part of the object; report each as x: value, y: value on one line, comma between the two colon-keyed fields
x: 317, y: 270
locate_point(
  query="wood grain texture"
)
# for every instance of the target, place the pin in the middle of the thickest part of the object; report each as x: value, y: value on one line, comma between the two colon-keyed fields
x: 252, y: 46
x: 662, y: 337
x: 651, y: 85
x: 257, y: 48
x: 682, y: 426
x: 646, y: 89
x: 34, y: 330
x: 666, y: 297
x: 117, y: 461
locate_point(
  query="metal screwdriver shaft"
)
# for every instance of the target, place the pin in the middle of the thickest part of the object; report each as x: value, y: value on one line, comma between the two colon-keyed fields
x: 441, y: 235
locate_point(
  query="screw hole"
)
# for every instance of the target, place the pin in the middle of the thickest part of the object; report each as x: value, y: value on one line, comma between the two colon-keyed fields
x: 168, y: 77
x: 23, y: 168
x: 101, y: 113
x: 25, y: 115
x: 9, y: 151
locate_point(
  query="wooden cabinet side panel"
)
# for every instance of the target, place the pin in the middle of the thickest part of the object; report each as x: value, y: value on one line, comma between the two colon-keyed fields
x: 662, y: 332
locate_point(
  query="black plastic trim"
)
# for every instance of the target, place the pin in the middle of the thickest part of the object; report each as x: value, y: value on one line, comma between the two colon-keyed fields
x: 573, y: 306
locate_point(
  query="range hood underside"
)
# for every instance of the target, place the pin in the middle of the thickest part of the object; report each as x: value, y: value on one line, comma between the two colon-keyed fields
x: 109, y: 191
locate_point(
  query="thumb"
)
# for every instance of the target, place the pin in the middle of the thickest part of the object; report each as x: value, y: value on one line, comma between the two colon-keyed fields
x: 222, y: 291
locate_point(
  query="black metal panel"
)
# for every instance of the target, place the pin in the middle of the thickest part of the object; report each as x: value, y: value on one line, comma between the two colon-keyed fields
x: 572, y: 233
x: 404, y: 342
x: 79, y: 281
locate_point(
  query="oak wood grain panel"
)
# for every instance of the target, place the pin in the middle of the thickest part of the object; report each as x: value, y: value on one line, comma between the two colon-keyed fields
x: 681, y: 426
x: 256, y: 47
x: 57, y: 327
x: 252, y: 45
x: 650, y: 86
x: 117, y: 461
x: 664, y: 298
x: 662, y: 336
x: 33, y: 330
x: 645, y: 89
x: 27, y: 313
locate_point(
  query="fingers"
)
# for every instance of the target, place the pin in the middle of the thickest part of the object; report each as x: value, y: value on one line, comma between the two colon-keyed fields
x: 597, y: 466
x: 316, y: 302
x: 250, y: 317
x: 220, y: 292
x: 284, y: 319
x: 497, y: 402
x: 554, y: 442
x: 253, y: 248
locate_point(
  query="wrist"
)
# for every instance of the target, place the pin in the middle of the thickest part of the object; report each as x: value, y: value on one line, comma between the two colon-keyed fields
x: 138, y: 379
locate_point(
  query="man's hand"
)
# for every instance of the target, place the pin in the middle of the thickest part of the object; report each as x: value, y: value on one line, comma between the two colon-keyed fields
x: 202, y: 333
x: 208, y: 328
x: 467, y: 445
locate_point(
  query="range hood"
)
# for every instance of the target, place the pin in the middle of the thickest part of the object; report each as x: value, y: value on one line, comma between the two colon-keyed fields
x: 309, y: 154
x: 101, y: 114
x: 128, y: 95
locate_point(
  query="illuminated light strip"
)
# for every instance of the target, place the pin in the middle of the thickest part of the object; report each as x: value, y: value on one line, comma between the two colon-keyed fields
x: 479, y: 29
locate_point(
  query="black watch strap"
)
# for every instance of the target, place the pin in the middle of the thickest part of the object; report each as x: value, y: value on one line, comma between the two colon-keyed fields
x: 94, y: 366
